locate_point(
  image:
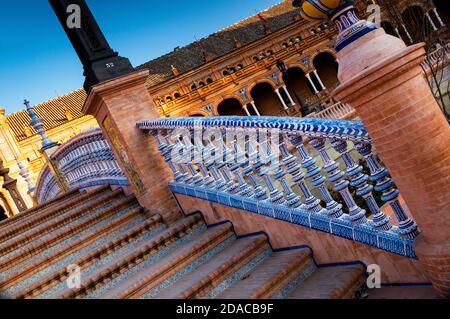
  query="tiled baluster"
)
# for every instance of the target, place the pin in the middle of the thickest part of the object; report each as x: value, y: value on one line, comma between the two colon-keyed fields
x: 265, y: 172
x: 166, y: 152
x: 312, y: 204
x: 293, y: 200
x: 385, y: 185
x: 275, y: 195
x: 363, y: 188
x: 208, y: 181
x: 260, y: 192
x: 318, y: 180
x: 337, y: 177
x: 177, y: 158
x: 381, y: 220
x: 196, y: 177
x: 240, y: 161
x: 357, y: 214
x: 210, y: 163
x: 227, y: 161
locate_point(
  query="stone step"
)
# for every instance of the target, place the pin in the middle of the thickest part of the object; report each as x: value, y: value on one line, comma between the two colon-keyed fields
x: 92, y: 257
x: 40, y: 262
x: 155, y: 273
x: 62, y: 234
x: 53, y: 216
x: 109, y: 269
x: 59, y: 201
x: 215, y: 271
x: 275, y: 274
x: 340, y: 282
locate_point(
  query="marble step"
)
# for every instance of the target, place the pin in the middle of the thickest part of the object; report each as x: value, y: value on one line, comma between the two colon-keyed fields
x: 40, y: 262
x: 273, y: 277
x: 155, y: 271
x: 60, y: 201
x: 340, y: 282
x: 61, y: 234
x: 216, y: 270
x: 46, y: 281
x: 49, y: 217
x: 109, y: 269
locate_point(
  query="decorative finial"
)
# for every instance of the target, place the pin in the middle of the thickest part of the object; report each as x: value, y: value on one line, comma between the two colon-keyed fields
x: 237, y: 43
x: 26, y: 103
x: 175, y: 71
x: 37, y: 123
x: 340, y: 12
x: 26, y: 176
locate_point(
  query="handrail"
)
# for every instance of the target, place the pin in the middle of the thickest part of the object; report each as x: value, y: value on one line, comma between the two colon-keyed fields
x: 257, y: 172
x: 311, y: 127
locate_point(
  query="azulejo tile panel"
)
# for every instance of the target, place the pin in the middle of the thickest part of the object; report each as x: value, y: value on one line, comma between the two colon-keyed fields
x: 388, y: 241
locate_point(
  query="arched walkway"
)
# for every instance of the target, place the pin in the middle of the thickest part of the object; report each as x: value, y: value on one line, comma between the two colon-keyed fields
x: 299, y: 88
x: 443, y: 9
x: 230, y: 107
x: 2, y: 214
x: 414, y: 19
x: 389, y: 28
x: 327, y: 68
x: 266, y: 100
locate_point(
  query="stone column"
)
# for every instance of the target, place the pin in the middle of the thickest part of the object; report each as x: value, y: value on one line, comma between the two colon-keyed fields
x: 431, y: 21
x: 438, y: 17
x: 407, y: 33
x: 308, y: 76
x: 245, y: 107
x: 255, y: 108
x: 320, y: 80
x: 410, y: 133
x: 117, y: 105
x: 277, y: 91
x: 398, y: 33
x: 288, y: 95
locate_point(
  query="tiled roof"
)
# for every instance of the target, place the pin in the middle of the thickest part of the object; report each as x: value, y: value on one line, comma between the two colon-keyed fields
x: 220, y: 43
x: 52, y: 112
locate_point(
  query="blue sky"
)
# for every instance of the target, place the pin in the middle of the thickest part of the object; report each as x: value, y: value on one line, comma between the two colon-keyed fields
x: 37, y: 61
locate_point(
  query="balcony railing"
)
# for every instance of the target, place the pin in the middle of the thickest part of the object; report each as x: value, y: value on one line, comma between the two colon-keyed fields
x: 439, y: 58
x: 338, y: 111
x: 332, y: 182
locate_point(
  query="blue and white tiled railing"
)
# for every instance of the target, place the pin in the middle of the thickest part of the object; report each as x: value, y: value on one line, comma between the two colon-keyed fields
x: 298, y: 170
x: 84, y: 161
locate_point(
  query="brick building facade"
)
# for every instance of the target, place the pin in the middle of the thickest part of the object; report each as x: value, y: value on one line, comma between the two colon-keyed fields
x: 274, y: 63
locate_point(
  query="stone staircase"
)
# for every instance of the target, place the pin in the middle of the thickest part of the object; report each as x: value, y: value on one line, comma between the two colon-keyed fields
x: 125, y: 252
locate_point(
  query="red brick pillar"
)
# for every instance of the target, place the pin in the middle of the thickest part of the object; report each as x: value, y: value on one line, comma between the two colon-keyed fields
x: 117, y: 105
x: 383, y: 80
